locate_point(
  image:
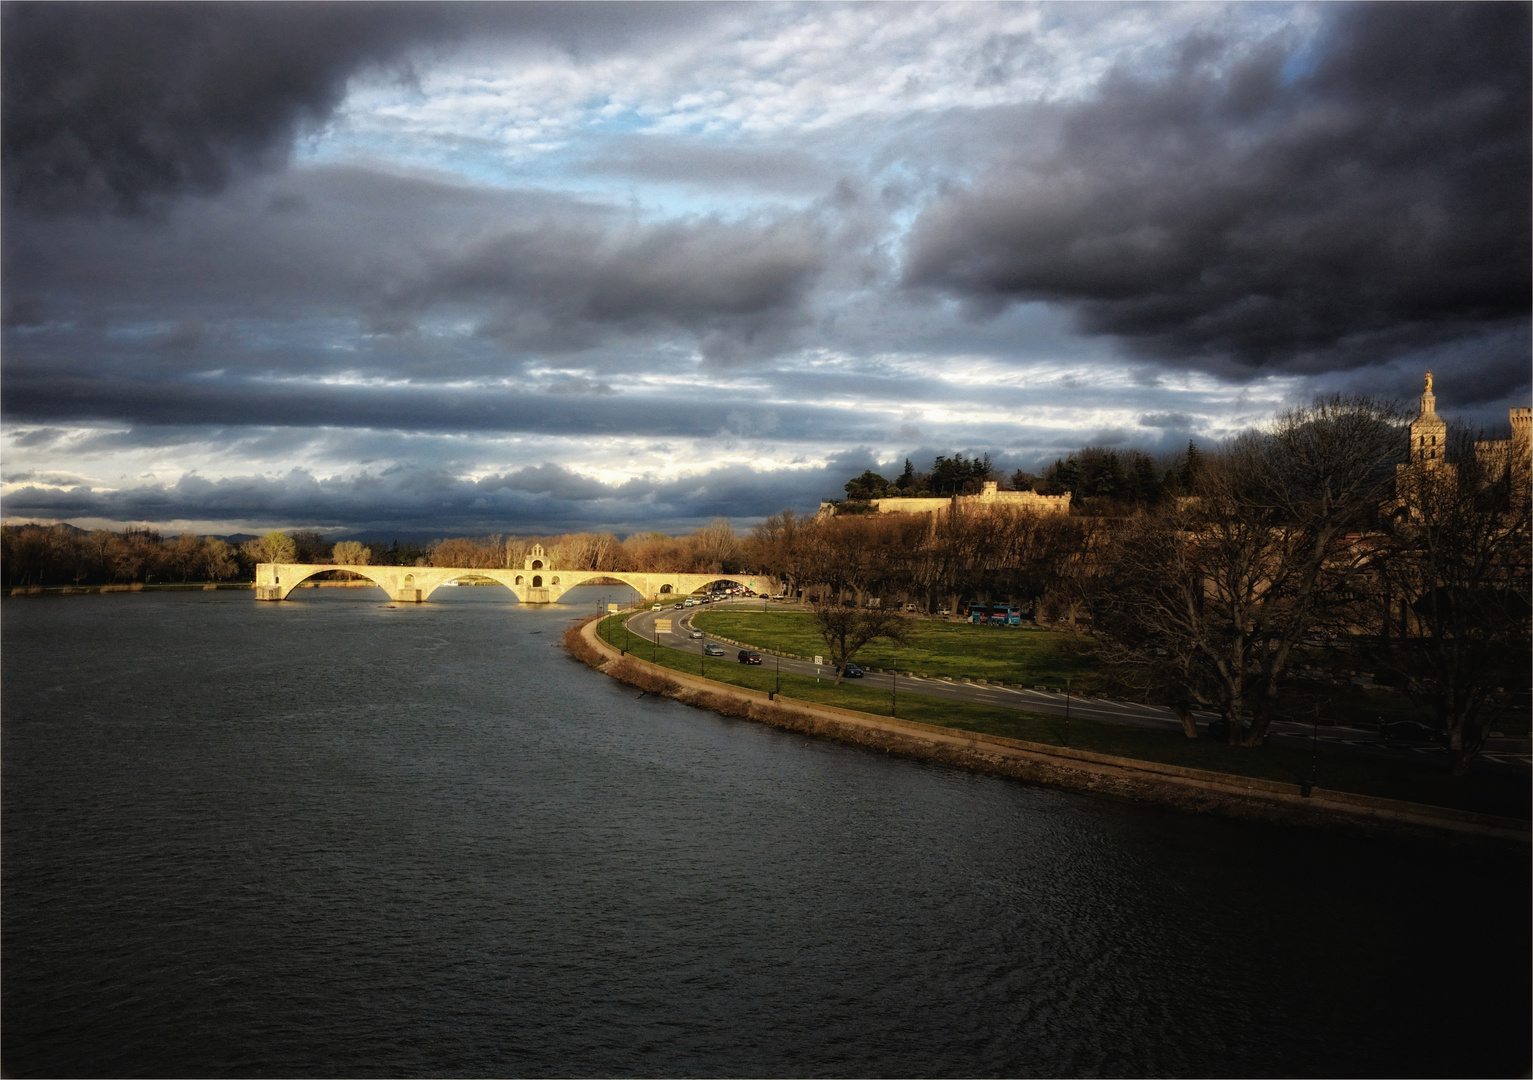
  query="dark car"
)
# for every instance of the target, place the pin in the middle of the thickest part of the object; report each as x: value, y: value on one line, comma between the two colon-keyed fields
x: 1409, y: 731
x: 852, y: 671
x: 748, y: 657
x: 711, y: 649
x: 1219, y: 730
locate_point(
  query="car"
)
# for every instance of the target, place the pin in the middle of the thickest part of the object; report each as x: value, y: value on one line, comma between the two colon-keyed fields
x: 1409, y: 731
x: 748, y: 657
x: 713, y: 649
x: 852, y: 671
x: 689, y: 602
x: 657, y: 607
x: 676, y: 605
x: 695, y: 634
x: 1219, y: 730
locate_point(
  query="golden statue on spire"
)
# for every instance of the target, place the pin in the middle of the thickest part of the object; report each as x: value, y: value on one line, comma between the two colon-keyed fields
x: 1429, y: 382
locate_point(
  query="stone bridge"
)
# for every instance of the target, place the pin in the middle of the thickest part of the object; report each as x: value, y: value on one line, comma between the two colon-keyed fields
x: 535, y: 583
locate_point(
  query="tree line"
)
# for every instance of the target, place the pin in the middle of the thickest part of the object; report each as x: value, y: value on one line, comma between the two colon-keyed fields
x: 64, y: 555
x: 1102, y: 480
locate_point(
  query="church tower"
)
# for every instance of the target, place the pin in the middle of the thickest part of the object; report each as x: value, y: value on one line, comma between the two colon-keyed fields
x: 1429, y: 433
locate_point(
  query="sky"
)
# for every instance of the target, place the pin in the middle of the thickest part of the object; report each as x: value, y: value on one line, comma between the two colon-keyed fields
x: 428, y: 270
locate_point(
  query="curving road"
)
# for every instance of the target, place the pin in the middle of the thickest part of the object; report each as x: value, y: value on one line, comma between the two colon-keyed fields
x: 1333, y: 740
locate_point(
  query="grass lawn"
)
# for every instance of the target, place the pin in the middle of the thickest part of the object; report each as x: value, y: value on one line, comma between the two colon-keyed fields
x: 1031, y: 657
x: 957, y: 650
x: 1494, y: 794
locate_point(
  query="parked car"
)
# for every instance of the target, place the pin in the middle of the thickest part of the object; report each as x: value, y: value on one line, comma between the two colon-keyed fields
x: 853, y: 671
x: 1219, y: 730
x: 1409, y: 731
x: 712, y: 649
x: 748, y: 657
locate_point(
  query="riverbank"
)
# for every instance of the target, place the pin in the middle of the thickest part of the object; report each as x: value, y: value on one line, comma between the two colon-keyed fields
x: 1176, y: 787
x: 130, y: 587
x: 170, y: 586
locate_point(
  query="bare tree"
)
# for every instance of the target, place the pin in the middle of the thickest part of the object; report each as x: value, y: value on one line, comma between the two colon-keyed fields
x: 1456, y: 571
x: 1148, y: 605
x: 1230, y: 580
x: 714, y: 547
x: 784, y: 545
x: 466, y: 553
x: 351, y: 553
x: 845, y: 629
x: 274, y: 547
x: 186, y: 556
x: 219, y: 561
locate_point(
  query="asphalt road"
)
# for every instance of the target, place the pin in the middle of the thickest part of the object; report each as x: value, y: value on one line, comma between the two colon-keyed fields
x: 1053, y: 702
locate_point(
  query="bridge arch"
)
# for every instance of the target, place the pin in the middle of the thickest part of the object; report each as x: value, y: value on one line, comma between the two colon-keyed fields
x: 287, y: 580
x: 473, y: 577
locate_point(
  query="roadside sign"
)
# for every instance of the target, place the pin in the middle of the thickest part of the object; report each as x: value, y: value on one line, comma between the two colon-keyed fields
x: 819, y: 661
x: 612, y: 607
x: 662, y: 626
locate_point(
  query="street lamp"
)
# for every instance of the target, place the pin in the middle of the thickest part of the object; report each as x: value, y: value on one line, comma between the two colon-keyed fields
x: 1067, y: 710
x: 1314, y: 754
x: 894, y: 700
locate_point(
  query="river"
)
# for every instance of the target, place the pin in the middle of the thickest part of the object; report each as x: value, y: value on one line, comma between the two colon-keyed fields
x: 336, y: 836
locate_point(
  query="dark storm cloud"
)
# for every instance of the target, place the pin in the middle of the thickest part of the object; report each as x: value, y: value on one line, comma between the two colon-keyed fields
x: 424, y: 501
x: 1261, y: 208
x: 678, y: 160
x: 1176, y: 421
x: 42, y: 395
x: 528, y: 271
x: 738, y: 287
x: 116, y: 105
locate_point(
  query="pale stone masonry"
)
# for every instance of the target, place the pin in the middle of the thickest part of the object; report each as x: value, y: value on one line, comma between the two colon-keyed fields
x: 1428, y: 467
x: 539, y: 581
x: 991, y: 497
x: 1429, y: 432
x: 1429, y: 437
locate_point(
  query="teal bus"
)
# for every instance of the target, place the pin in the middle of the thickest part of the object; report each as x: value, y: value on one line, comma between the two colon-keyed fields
x: 995, y: 614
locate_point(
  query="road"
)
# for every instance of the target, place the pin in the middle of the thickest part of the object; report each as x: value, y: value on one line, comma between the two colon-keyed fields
x: 1337, y: 739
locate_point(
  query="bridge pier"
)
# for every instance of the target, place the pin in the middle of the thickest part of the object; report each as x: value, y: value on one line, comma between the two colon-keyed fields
x: 268, y: 592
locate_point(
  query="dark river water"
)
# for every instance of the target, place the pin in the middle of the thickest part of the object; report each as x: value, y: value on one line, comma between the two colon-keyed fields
x: 339, y: 837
